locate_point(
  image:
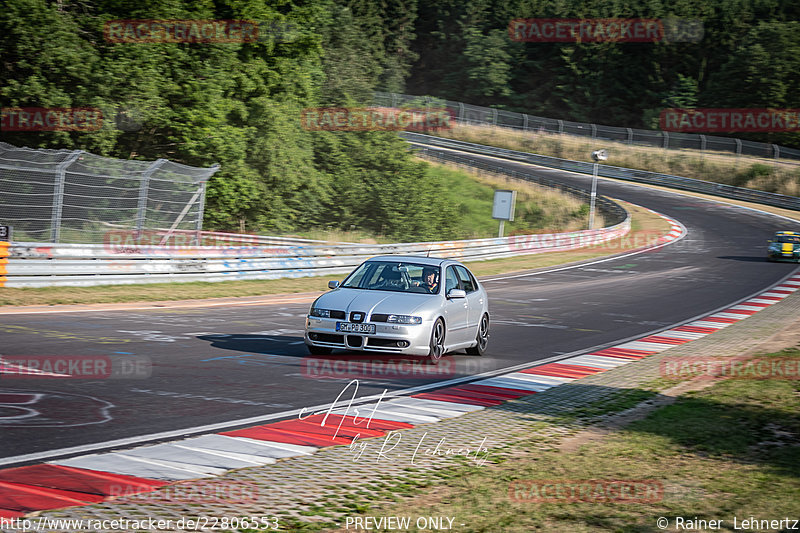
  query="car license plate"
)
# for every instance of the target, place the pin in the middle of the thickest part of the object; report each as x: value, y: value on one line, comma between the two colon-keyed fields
x: 347, y: 327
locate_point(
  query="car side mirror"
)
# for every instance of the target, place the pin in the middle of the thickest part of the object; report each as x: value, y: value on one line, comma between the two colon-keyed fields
x: 333, y: 284
x: 456, y: 293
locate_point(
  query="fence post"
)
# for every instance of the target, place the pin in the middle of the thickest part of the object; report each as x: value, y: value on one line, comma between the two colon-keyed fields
x: 461, y: 113
x: 702, y: 142
x: 200, y: 212
x: 666, y: 140
x: 141, y: 208
x: 776, y: 150
x: 58, y: 195
x: 394, y: 99
x: 494, y: 116
x: 630, y: 135
x: 202, y: 207
x: 524, y: 122
x: 560, y: 126
x: 594, y: 131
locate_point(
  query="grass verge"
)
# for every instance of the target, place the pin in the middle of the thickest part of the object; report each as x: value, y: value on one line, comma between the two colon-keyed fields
x: 728, y: 451
x: 645, y: 228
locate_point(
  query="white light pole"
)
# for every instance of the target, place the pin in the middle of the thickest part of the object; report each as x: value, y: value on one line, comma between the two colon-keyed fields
x: 597, y: 155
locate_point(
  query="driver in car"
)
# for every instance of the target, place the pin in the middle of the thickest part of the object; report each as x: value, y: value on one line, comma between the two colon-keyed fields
x: 429, y: 280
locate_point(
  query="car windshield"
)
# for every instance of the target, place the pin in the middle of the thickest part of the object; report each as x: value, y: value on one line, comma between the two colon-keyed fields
x: 394, y: 276
x: 795, y: 239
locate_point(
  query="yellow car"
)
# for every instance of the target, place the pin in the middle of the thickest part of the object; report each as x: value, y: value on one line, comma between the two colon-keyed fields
x: 785, y: 246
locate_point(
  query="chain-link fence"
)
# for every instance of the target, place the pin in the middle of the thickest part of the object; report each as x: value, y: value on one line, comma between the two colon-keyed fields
x: 73, y: 196
x: 472, y: 114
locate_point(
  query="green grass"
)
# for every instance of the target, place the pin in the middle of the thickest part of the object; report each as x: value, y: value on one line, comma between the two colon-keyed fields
x: 538, y: 209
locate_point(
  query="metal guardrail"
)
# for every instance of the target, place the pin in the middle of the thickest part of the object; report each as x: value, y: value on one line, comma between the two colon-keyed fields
x: 164, y: 237
x: 39, y: 265
x: 473, y: 114
x: 639, y: 176
x: 140, y: 257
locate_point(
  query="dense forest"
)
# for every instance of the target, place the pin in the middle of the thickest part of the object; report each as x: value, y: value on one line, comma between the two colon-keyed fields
x: 748, y: 56
x: 238, y: 104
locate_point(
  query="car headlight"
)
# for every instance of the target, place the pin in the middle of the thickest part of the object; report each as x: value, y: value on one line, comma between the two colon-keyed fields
x: 321, y: 313
x: 404, y: 319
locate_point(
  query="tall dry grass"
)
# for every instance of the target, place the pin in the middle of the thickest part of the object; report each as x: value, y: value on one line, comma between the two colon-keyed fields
x: 777, y: 176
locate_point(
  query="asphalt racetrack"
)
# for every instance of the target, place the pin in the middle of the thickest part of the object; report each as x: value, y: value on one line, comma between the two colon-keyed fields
x: 189, y: 369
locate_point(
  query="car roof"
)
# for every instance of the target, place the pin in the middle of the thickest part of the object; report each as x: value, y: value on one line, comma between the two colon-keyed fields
x: 793, y: 233
x: 419, y: 259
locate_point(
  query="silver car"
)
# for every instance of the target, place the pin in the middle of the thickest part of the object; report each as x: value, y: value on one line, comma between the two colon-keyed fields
x: 402, y: 304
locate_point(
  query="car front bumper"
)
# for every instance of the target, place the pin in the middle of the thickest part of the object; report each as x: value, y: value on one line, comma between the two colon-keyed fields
x: 388, y: 338
x: 793, y: 257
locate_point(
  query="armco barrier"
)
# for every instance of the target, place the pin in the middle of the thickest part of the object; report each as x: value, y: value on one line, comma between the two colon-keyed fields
x: 669, y: 140
x: 39, y: 264
x: 640, y: 176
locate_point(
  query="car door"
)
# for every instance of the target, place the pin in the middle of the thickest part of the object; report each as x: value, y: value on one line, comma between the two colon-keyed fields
x: 455, y: 310
x: 474, y: 299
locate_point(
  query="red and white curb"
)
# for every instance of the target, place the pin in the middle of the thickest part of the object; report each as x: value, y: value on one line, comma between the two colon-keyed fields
x: 90, y: 479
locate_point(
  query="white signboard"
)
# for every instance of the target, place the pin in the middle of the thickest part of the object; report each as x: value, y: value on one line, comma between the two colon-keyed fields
x: 503, y: 208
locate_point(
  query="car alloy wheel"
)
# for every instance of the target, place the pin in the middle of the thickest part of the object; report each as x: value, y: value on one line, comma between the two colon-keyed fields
x: 482, y: 338
x: 437, y: 342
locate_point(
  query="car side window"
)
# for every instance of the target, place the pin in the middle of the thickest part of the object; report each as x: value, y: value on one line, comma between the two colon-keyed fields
x: 450, y: 280
x: 467, y: 283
